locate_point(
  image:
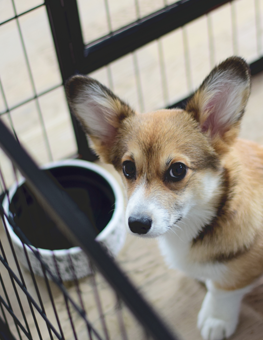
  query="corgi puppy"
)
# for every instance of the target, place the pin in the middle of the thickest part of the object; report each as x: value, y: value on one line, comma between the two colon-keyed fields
x: 190, y: 182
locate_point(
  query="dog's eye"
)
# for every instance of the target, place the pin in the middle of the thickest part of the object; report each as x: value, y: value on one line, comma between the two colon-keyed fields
x: 176, y: 172
x: 129, y: 169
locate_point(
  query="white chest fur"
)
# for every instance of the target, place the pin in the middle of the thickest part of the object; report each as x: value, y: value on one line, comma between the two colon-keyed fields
x: 176, y: 252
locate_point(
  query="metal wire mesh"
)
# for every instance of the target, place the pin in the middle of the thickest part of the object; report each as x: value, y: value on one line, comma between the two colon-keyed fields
x: 29, y: 325
x: 30, y: 80
x: 171, y: 68
x: 32, y: 307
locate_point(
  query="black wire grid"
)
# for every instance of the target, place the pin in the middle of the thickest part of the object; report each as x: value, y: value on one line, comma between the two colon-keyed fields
x: 35, y: 98
x: 23, y: 311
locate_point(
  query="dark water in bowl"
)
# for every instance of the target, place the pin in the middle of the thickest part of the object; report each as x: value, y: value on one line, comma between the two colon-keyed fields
x: 91, y: 193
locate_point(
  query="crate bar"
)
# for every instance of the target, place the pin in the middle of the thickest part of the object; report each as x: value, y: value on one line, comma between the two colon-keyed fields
x: 188, y: 72
x: 16, y: 16
x: 30, y: 73
x: 119, y: 311
x: 107, y: 9
x: 143, y: 31
x: 77, y: 227
x: 4, y: 261
x: 5, y: 333
x: 16, y: 320
x: 234, y: 27
x: 20, y: 272
x: 9, y: 303
x: 3, y: 318
x: 26, y: 100
x: 45, y: 270
x: 163, y: 72
x: 15, y: 278
x: 211, y: 44
x: 67, y: 36
x: 137, y: 9
x: 37, y: 290
x: 256, y: 66
x: 138, y: 81
x: 9, y: 118
x: 98, y: 302
x: 78, y: 291
x: 65, y: 298
x: 258, y: 26
x: 52, y: 300
x: 110, y: 79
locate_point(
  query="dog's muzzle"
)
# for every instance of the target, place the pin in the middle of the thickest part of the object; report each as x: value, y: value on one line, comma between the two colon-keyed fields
x: 139, y: 225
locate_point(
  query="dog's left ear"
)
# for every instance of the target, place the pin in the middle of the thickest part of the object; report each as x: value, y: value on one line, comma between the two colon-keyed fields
x: 100, y: 112
x: 218, y: 105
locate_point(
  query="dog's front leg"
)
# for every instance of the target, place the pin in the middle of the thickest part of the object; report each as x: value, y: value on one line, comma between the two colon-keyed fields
x: 218, y: 317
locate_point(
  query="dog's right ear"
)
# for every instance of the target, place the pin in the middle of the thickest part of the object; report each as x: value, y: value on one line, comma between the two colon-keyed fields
x: 219, y: 103
x: 100, y: 112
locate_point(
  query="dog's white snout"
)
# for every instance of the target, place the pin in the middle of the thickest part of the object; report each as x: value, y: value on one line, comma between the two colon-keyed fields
x: 145, y: 215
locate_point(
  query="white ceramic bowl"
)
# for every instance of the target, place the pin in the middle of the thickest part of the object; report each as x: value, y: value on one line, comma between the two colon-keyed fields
x: 112, y: 236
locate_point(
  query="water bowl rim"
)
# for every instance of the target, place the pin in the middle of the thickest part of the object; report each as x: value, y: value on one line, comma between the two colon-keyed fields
x: 102, y: 236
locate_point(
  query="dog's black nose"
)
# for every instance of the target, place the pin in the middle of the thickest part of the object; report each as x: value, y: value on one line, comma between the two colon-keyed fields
x: 140, y: 226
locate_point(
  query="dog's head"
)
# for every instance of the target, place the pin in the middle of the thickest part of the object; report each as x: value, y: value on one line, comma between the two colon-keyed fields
x: 171, y: 161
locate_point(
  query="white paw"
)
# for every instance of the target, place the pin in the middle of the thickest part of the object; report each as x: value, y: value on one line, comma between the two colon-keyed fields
x: 218, y: 317
x: 216, y: 329
x: 216, y: 320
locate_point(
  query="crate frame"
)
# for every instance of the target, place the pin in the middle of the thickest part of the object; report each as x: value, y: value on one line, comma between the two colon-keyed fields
x: 76, y: 57
x: 75, y: 226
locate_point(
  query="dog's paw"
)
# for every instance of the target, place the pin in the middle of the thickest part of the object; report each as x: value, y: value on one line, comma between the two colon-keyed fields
x: 218, y: 317
x: 216, y: 329
x: 214, y: 321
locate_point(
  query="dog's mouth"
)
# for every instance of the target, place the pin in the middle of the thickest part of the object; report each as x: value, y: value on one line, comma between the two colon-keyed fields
x: 156, y: 233
x: 178, y: 219
x: 175, y: 223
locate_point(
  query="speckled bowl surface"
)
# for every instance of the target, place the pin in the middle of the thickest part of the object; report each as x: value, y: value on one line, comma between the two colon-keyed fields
x: 72, y: 263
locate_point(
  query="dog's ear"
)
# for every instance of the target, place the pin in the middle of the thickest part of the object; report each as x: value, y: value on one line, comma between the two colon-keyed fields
x: 218, y: 105
x: 100, y: 112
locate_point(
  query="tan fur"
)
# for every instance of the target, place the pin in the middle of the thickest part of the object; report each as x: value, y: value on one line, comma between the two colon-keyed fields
x: 240, y: 229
